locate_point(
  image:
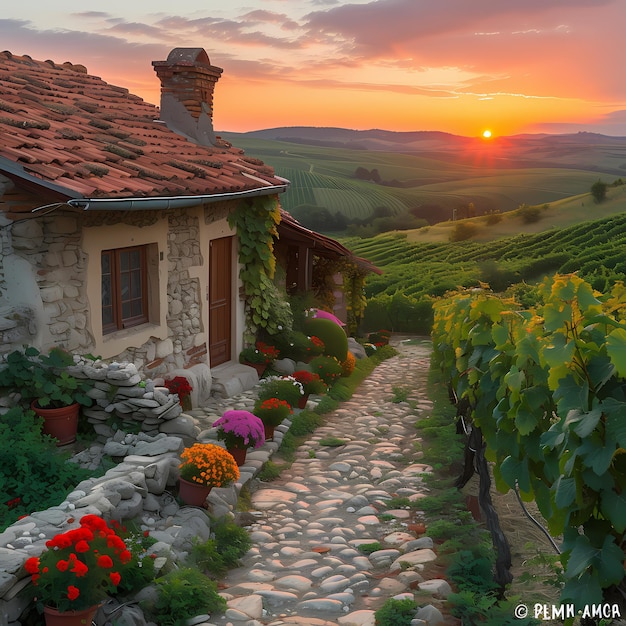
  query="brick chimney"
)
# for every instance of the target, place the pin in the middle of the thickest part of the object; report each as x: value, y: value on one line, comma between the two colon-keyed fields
x: 187, y: 84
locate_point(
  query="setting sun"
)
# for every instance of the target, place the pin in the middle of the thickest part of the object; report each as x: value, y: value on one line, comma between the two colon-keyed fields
x: 486, y: 134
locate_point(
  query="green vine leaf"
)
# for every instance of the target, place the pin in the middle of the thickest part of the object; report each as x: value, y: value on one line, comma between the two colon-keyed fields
x: 616, y: 349
x: 613, y: 505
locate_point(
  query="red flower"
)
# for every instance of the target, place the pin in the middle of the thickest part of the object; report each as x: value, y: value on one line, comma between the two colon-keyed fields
x: 93, y: 522
x: 72, y: 592
x: 104, y: 561
x: 82, y: 546
x: 80, y: 569
x: 179, y: 385
x: 115, y: 578
x: 62, y: 565
x: 113, y: 541
x: 125, y: 557
x: 32, y: 565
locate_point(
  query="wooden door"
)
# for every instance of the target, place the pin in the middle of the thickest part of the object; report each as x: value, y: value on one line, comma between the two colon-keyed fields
x: 220, y: 291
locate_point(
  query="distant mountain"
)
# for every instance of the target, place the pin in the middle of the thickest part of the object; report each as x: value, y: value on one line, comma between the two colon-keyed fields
x: 584, y: 150
x: 374, y: 139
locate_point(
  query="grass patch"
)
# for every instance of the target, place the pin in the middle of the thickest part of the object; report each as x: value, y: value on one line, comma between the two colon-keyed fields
x: 332, y: 442
x: 270, y: 471
x: 368, y: 548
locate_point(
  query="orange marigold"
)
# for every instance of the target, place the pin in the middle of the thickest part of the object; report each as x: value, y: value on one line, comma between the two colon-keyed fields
x: 348, y: 365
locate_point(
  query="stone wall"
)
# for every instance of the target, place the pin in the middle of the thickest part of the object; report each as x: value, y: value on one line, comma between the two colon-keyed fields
x: 123, y: 400
x: 43, y: 296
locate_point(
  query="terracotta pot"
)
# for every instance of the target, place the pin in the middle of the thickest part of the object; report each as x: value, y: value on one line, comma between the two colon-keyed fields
x: 69, y: 618
x: 192, y: 493
x: 303, y: 400
x: 239, y: 454
x: 259, y: 367
x: 61, y: 424
x: 269, y: 431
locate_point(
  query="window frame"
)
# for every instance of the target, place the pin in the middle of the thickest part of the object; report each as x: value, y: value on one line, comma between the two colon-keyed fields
x: 119, y: 321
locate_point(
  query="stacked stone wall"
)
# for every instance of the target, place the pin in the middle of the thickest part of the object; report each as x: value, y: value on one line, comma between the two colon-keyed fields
x: 50, y: 265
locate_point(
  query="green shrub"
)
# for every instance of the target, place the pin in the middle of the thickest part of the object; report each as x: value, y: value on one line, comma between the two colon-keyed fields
x: 333, y: 336
x: 139, y: 571
x: 228, y: 544
x: 292, y: 344
x: 529, y: 214
x: 287, y: 389
x: 182, y: 594
x: 34, y: 474
x: 463, y: 231
x: 396, y: 612
x: 327, y: 368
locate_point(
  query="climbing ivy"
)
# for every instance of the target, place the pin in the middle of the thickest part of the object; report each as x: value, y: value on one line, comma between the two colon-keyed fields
x: 547, y: 387
x: 354, y: 292
x: 256, y: 220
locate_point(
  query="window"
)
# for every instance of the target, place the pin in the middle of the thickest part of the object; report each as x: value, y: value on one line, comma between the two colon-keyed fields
x: 124, y: 288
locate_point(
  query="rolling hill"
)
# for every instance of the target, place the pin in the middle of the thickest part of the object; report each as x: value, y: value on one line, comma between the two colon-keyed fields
x: 431, y: 168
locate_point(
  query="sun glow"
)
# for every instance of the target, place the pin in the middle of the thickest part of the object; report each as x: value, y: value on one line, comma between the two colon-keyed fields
x: 486, y: 134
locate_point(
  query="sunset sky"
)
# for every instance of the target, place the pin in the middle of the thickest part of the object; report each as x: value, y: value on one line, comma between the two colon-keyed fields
x: 458, y: 66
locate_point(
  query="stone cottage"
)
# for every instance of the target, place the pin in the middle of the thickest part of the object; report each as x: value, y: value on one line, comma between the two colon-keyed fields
x: 113, y: 216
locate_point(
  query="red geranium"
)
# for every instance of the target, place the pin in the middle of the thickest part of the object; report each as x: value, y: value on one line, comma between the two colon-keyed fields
x: 81, y: 566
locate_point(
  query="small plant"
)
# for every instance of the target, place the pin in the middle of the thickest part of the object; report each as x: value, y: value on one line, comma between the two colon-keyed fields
x: 185, y: 593
x: 80, y: 567
x: 240, y: 429
x: 396, y: 612
x: 228, y: 544
x: 262, y: 353
x: 272, y: 411
x: 181, y: 387
x: 139, y: 571
x: 311, y: 383
x: 379, y: 338
x: 327, y: 368
x: 400, y: 394
x: 284, y: 388
x: 269, y: 472
x: 332, y: 442
x: 369, y: 548
x: 208, y: 464
x: 348, y: 364
x: 44, y: 378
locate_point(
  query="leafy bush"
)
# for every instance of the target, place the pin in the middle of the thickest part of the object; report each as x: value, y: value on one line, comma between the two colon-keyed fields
x: 34, y: 474
x: 333, y: 336
x: 185, y: 593
x: 327, y: 368
x: 229, y: 543
x: 396, y: 612
x: 139, y: 571
x: 529, y: 214
x: 286, y: 388
x: 463, y: 231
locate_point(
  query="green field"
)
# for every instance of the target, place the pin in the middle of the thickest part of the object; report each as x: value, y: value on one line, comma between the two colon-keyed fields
x: 421, y: 270
x: 528, y: 170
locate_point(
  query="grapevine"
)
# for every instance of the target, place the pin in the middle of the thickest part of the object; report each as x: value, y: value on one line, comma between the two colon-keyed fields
x: 547, y: 388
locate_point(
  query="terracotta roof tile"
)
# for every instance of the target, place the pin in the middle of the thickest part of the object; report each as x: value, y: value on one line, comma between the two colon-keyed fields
x: 66, y: 127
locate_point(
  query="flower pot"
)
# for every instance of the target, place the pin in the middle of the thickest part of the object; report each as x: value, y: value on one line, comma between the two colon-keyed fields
x: 61, y: 423
x: 303, y: 400
x: 239, y: 454
x: 259, y: 367
x: 269, y: 431
x: 193, y: 493
x: 69, y: 618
